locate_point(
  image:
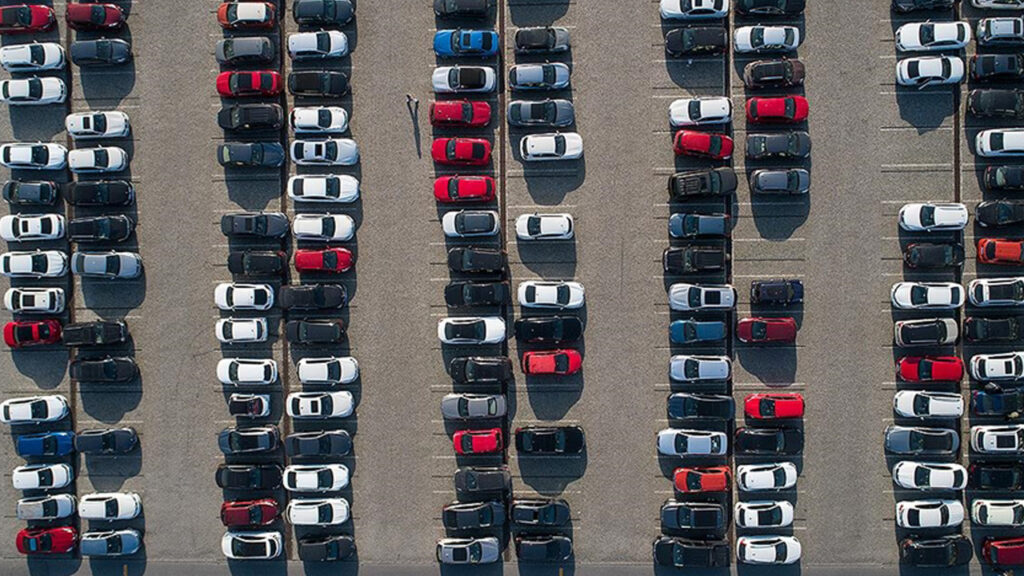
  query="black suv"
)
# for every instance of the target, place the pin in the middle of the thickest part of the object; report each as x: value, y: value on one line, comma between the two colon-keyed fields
x: 716, y: 181
x: 100, y: 229
x: 321, y: 12
x: 313, y: 296
x: 474, y: 369
x: 769, y: 441
x: 251, y: 117
x: 104, y: 369
x: 476, y: 293
x: 476, y: 260
x: 248, y: 476
x: 781, y: 73
x: 693, y: 259
x: 324, y: 83
x: 257, y: 262
x: 314, y: 331
x: 548, y: 329
x: 100, y: 193
x: 696, y: 40
x: 554, y: 440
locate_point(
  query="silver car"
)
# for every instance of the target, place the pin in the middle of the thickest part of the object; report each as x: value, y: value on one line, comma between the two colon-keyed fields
x: 121, y: 542
x: 466, y: 406
x: 468, y: 550
x: 546, y: 76
x: 111, y: 265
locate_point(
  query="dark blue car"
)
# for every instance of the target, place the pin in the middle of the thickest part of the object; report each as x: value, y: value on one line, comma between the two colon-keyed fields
x: 46, y: 444
x: 480, y: 43
x: 693, y: 331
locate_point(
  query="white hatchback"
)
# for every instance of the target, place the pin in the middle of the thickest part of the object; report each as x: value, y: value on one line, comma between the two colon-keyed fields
x: 559, y: 295
x: 686, y: 368
x: 771, y: 476
x: 241, y: 330
x: 42, y: 476
x: 324, y: 188
x: 246, y: 371
x: 553, y: 146
x: 317, y: 45
x: 328, y: 371
x: 317, y: 119
x: 317, y: 512
x: 320, y: 404
x: 323, y: 227
x: 700, y: 111
x: 110, y: 506
x: 545, y: 227
x: 1000, y: 142
x: 997, y: 367
x: 34, y: 300
x: 927, y: 295
x: 31, y: 227
x: 230, y: 296
x: 927, y: 404
x: 933, y: 217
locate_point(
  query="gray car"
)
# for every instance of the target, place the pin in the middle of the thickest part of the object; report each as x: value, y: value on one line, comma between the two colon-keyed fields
x: 468, y: 550
x: 465, y: 406
x: 689, y: 225
x: 785, y: 181
x: 247, y: 440
x: 473, y: 515
x: 473, y: 482
x: 242, y: 49
x: 110, y: 543
x: 541, y: 113
x: 546, y: 76
x: 102, y: 52
x: 542, y: 39
x: 111, y: 265
x: 921, y: 441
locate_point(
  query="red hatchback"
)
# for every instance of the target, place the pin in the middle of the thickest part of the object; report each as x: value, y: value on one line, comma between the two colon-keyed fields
x: 1004, y: 551
x: 1000, y: 251
x: 249, y: 512
x: 461, y: 151
x: 706, y: 479
x: 704, y: 144
x: 326, y: 260
x: 31, y: 333
x: 790, y: 109
x: 773, y: 406
x: 766, y: 330
x: 560, y: 362
x: 59, y: 540
x: 477, y: 441
x: 94, y: 16
x: 464, y: 189
x: 22, y: 18
x: 246, y: 15
x: 460, y: 113
x: 930, y: 368
x: 254, y: 83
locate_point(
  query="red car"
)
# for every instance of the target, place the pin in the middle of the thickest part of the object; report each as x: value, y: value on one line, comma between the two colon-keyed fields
x: 21, y: 18
x: 246, y: 15
x: 1004, y: 551
x: 707, y: 479
x: 464, y: 189
x: 790, y: 109
x: 930, y: 368
x: 704, y: 144
x: 94, y: 16
x: 254, y: 83
x: 461, y: 151
x: 477, y: 441
x: 249, y: 512
x: 766, y: 330
x: 772, y: 406
x: 1000, y: 251
x: 326, y: 260
x: 552, y: 362
x: 31, y: 333
x: 59, y: 540
x: 457, y: 113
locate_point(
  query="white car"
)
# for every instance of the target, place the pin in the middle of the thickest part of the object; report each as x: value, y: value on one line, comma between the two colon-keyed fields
x: 34, y: 300
x: 470, y: 223
x: 315, y: 477
x: 929, y: 475
x: 85, y: 125
x: 922, y: 71
x: 1000, y: 142
x: 999, y: 4
x: 687, y: 368
x: 932, y: 36
x: 318, y: 119
x: 33, y: 91
x: 929, y: 513
x: 1005, y: 513
x: 926, y: 404
x: 686, y: 297
x: 33, y: 57
x: 761, y: 477
x: 329, y: 152
x: 241, y: 330
x: 927, y: 295
x: 560, y: 295
x: 1005, y: 30
x: 33, y: 409
x: 251, y: 545
x: 29, y: 227
x: 317, y: 45
x: 246, y: 371
x: 996, y: 291
x: 464, y: 79
x: 38, y: 264
x: 97, y: 160
x: 694, y: 9
x: 766, y: 39
x: 552, y: 146
x: 682, y: 442
x: 110, y: 506
x: 998, y: 439
x: 323, y: 188
x: 317, y: 512
x: 323, y: 227
x: 34, y: 156
x: 1004, y: 366
x: 545, y: 227
x: 933, y: 217
x: 50, y: 507
x: 110, y: 265
x: 329, y: 371
x: 471, y: 330
x: 320, y: 404
x: 230, y: 296
x: 763, y: 514
x: 700, y: 111
x: 42, y: 476
x: 767, y: 550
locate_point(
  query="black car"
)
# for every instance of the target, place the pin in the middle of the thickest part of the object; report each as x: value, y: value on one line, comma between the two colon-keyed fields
x: 549, y: 512
x: 769, y: 441
x: 321, y: 12
x: 781, y: 145
x: 997, y: 67
x: 312, y: 296
x: 248, y: 405
x: 248, y: 440
x: 314, y: 331
x: 999, y: 212
x: 475, y: 482
x: 476, y: 260
x: 708, y: 517
x: 251, y: 117
x: 716, y: 181
x: 769, y: 7
x: 473, y: 515
x: 996, y: 476
x: 257, y: 262
x: 543, y: 548
x: 776, y: 291
x: 100, y: 193
x: 1004, y: 177
x: 999, y: 103
x: 696, y: 40
x: 33, y: 193
x: 480, y: 369
x: 542, y: 440
x: 995, y: 400
x: 321, y: 83
x: 244, y: 50
x: 929, y: 255
x: 475, y: 293
x: 250, y: 154
x: 321, y: 444
x: 102, y: 52
x: 326, y: 548
x: 103, y: 369
x: 248, y: 476
x: 541, y: 39
x: 693, y: 259
x: 548, y: 329
x: 474, y: 8
x: 912, y: 5
x: 100, y: 229
x: 94, y: 333
x: 979, y: 329
x: 683, y: 405
x: 682, y: 553
x: 254, y: 224
x: 106, y: 441
x: 781, y: 73
x: 941, y: 552
x: 541, y: 113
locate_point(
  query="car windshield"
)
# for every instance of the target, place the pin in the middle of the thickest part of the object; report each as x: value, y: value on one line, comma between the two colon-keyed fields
x: 559, y: 145
x: 790, y: 108
x: 533, y: 225
x: 714, y: 145
x: 758, y: 330
x: 918, y: 295
x: 40, y: 155
x: 45, y: 476
x: 927, y: 215
x: 485, y: 516
x: 467, y: 441
x: 780, y: 552
x: 927, y: 34
x: 330, y: 259
x: 757, y: 36
x: 693, y: 109
x: 947, y: 68
x: 476, y: 552
x: 779, y: 476
x: 691, y: 368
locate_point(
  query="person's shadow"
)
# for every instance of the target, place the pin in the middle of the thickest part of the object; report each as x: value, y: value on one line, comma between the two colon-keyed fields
x: 413, y: 105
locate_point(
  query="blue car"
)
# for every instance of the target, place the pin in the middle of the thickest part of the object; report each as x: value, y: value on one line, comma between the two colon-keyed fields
x: 46, y: 444
x: 480, y: 43
x: 693, y: 331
